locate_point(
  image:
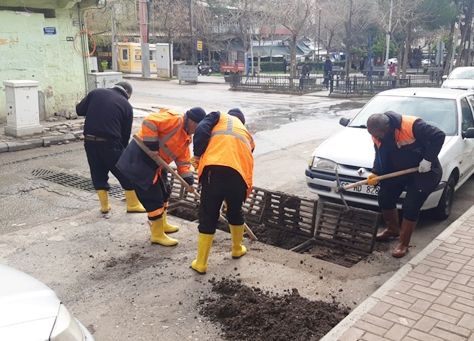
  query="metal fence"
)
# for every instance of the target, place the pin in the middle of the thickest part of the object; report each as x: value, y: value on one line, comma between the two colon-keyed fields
x: 277, y: 83
x: 360, y: 86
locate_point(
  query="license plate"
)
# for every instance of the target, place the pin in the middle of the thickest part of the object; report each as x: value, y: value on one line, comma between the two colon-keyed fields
x: 363, y: 189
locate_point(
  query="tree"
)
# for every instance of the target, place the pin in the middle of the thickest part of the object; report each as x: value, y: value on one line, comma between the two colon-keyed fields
x: 294, y: 15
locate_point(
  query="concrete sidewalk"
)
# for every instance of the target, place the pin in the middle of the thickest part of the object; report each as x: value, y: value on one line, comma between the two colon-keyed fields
x: 429, y: 298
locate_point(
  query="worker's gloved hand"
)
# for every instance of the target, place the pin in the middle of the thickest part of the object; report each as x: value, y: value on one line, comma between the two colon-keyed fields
x: 424, y: 166
x: 372, y: 179
x: 189, y: 180
x: 195, y: 162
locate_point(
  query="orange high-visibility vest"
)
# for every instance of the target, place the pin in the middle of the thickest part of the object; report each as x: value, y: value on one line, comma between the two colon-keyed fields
x: 403, y: 136
x: 167, y: 128
x: 230, y: 145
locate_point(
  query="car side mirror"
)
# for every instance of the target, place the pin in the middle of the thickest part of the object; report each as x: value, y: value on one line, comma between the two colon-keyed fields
x: 344, y: 121
x: 444, y: 77
x: 468, y: 134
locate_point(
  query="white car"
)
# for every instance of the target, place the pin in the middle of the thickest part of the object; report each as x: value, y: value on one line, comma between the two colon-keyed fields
x: 351, y: 151
x: 460, y: 78
x: 30, y: 311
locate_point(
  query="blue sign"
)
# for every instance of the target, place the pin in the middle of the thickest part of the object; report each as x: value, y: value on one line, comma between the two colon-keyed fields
x: 49, y: 30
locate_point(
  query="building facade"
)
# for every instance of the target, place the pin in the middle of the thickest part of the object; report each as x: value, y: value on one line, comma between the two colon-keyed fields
x: 44, y: 40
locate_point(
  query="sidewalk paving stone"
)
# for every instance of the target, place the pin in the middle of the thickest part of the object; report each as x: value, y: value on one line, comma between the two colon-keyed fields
x: 429, y: 298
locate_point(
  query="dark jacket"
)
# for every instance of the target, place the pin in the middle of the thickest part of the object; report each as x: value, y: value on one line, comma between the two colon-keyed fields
x: 429, y: 141
x: 327, y: 67
x: 108, y: 115
x: 202, y: 135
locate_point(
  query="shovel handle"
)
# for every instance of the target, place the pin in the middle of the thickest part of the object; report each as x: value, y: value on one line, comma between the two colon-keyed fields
x: 382, y: 177
x: 160, y: 162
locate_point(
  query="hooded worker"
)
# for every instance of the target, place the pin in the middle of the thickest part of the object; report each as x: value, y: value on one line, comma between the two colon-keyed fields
x: 168, y: 133
x: 223, y: 158
x: 403, y: 142
x: 107, y: 127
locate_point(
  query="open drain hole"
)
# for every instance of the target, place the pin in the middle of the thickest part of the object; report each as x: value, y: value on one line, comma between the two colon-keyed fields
x: 278, y: 219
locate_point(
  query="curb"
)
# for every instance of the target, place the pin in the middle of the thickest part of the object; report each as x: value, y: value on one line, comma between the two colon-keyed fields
x: 45, y: 141
x: 372, y: 300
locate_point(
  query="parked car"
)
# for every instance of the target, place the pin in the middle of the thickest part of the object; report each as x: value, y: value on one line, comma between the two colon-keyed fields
x: 351, y: 153
x: 29, y: 310
x: 460, y: 78
x: 393, y: 60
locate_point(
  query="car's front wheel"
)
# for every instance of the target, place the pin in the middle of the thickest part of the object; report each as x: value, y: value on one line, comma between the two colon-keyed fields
x: 443, y: 210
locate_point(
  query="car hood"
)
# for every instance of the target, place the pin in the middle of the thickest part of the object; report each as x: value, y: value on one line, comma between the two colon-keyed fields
x: 354, y: 147
x: 28, y: 308
x: 458, y: 83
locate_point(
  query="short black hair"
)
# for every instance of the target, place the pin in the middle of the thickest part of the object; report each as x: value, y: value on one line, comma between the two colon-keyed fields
x: 126, y: 86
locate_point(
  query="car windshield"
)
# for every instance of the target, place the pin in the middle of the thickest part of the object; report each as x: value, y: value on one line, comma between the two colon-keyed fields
x: 440, y: 112
x: 462, y: 73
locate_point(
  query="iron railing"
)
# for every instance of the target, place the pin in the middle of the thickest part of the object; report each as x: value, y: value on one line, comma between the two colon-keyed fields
x: 277, y: 83
x: 357, y: 85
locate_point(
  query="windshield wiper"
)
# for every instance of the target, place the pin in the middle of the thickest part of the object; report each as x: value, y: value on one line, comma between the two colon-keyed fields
x: 359, y: 126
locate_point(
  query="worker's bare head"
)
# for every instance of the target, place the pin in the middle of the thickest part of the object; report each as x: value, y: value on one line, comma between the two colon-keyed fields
x: 192, y: 117
x: 125, y: 87
x: 378, y: 125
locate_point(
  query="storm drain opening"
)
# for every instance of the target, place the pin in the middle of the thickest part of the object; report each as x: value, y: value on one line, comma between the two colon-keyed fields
x: 322, y: 229
x: 75, y: 181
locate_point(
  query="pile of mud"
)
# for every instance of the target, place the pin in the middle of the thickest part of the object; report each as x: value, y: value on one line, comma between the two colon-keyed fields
x: 245, y: 313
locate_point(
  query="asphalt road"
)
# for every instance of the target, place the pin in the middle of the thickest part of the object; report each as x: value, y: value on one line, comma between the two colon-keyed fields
x: 122, y: 287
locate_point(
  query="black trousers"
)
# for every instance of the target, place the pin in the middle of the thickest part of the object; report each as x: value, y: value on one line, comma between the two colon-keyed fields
x: 102, y: 157
x: 155, y: 198
x: 220, y: 183
x: 418, y: 187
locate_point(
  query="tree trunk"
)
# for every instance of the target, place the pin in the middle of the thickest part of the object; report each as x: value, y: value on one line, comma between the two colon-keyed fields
x: 406, y: 50
x: 467, y: 50
x: 450, y: 48
x: 348, y: 41
x: 293, y: 70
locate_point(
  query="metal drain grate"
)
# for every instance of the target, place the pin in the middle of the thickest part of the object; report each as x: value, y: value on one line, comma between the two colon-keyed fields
x: 74, y: 181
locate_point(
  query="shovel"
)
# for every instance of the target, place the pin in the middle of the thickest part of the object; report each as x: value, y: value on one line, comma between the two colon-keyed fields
x: 160, y: 162
x: 378, y: 178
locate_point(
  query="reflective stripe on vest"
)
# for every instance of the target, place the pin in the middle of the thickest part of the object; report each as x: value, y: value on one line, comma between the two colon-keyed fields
x: 230, y: 131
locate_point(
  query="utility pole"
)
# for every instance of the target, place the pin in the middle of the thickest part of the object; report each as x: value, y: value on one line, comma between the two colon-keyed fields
x: 114, y: 44
x: 191, y: 23
x: 319, y: 31
x: 143, y: 14
x: 387, y: 40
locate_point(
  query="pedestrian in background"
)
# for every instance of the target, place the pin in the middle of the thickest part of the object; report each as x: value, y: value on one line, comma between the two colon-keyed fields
x: 168, y: 133
x: 327, y: 71
x: 107, y: 127
x: 223, y: 158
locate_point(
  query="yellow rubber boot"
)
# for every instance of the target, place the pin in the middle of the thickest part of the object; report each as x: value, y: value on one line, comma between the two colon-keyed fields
x: 104, y: 201
x: 133, y: 204
x: 158, y: 235
x: 237, y: 234
x: 168, y: 227
x: 204, y: 248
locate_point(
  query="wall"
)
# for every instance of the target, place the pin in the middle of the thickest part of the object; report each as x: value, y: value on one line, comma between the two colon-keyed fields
x: 26, y: 52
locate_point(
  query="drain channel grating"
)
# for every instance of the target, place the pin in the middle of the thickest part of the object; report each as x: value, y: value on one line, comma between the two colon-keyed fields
x: 74, y: 181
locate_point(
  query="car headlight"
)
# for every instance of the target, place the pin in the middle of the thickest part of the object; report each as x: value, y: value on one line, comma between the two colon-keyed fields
x: 323, y: 164
x: 65, y: 327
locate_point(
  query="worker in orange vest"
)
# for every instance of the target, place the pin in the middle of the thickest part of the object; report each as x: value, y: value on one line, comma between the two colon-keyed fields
x: 403, y: 142
x: 168, y: 133
x: 223, y: 157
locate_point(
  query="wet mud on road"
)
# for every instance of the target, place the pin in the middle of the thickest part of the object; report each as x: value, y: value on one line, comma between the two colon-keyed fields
x: 250, y: 313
